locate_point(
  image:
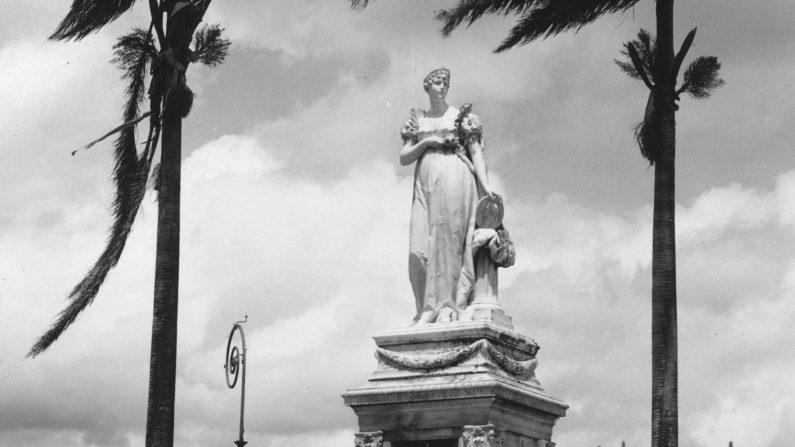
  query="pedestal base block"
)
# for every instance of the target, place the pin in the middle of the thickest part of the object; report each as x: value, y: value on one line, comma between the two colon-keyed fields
x: 496, y: 316
x: 432, y: 382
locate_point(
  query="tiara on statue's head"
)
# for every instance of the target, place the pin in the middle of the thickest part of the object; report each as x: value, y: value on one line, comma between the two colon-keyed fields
x: 441, y: 71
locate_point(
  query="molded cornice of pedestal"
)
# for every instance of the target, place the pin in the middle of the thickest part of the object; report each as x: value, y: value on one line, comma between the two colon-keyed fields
x: 457, y: 331
x: 464, y: 388
x: 417, y: 411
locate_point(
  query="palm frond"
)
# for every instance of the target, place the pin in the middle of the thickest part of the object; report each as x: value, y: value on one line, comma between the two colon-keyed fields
x: 87, y: 16
x: 470, y: 11
x: 132, y: 123
x: 538, y: 18
x: 131, y: 48
x: 701, y: 77
x: 130, y: 174
x: 209, y: 47
x: 646, y: 45
x: 645, y: 49
x: 133, y: 53
x: 627, y: 67
x: 550, y: 18
x: 151, y: 143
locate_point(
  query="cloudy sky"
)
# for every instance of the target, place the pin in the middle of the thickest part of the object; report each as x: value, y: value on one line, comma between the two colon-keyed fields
x: 295, y: 212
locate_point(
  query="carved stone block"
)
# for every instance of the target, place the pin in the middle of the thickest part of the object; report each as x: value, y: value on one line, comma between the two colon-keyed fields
x: 370, y: 439
x: 482, y: 436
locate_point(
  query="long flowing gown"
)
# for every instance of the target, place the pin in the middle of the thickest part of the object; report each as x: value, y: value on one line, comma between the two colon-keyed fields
x: 441, y: 267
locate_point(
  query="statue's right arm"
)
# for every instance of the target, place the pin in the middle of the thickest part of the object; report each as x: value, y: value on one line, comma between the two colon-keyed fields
x: 411, y: 152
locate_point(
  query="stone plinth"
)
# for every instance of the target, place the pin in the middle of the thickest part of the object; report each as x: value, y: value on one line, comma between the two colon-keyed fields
x: 448, y: 384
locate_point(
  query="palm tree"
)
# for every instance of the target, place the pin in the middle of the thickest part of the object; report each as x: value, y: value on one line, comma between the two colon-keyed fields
x: 656, y: 137
x: 170, y: 99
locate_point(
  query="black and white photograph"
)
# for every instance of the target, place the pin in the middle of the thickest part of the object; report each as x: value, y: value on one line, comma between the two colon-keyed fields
x: 397, y: 223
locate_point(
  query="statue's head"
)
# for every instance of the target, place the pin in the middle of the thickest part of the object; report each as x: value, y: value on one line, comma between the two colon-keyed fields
x: 439, y: 76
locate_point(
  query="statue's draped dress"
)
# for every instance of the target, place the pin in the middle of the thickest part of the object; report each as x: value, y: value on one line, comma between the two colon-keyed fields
x: 441, y: 267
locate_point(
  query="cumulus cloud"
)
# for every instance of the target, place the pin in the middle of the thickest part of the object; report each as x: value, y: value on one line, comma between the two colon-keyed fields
x: 301, y: 296
x: 581, y: 288
x: 49, y: 91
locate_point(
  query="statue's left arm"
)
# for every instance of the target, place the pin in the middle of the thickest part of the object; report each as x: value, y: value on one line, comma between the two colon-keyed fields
x: 471, y: 134
x: 478, y: 161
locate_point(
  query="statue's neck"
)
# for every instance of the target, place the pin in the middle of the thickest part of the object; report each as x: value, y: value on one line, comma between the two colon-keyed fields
x: 438, y: 107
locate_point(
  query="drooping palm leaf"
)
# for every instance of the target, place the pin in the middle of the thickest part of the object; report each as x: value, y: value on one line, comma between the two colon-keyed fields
x: 134, y: 54
x: 130, y: 171
x: 177, y: 97
x: 131, y: 48
x: 638, y: 63
x: 701, y: 77
x: 154, y: 179
x: 86, y: 16
x: 538, y: 18
x: 647, y: 132
x: 129, y: 51
x: 209, y: 47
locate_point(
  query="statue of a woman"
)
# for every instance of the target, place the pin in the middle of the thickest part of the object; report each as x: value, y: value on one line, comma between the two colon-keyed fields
x: 447, y: 150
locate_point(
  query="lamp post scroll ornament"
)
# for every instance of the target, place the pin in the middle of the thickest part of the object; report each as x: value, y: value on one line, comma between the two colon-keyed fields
x: 235, y: 364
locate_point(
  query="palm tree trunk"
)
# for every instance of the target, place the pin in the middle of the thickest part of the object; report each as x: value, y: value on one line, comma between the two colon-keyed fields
x: 664, y: 430
x: 163, y: 361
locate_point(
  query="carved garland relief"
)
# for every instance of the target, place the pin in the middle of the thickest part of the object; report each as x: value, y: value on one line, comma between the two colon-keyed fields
x: 524, y: 369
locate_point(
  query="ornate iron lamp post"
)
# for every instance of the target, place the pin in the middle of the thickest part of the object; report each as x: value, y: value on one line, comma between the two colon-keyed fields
x: 235, y: 361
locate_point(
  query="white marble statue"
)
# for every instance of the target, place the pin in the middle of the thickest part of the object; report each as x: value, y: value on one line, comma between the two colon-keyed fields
x: 449, y: 179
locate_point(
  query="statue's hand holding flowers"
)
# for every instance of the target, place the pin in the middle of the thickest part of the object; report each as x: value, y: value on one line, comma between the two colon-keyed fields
x: 451, y: 141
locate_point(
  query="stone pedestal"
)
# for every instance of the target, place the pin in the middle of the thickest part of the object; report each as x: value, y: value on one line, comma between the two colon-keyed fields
x: 486, y: 306
x: 459, y: 384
